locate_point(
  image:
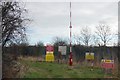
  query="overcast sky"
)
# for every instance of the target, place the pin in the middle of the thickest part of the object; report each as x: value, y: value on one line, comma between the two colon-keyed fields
x: 51, y: 19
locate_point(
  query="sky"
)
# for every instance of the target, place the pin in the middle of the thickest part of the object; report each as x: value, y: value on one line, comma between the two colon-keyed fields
x: 51, y: 19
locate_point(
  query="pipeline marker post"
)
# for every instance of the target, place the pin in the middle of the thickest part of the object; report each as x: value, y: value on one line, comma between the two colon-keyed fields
x: 49, y: 53
x: 62, y: 53
x: 107, y: 65
x: 90, y: 59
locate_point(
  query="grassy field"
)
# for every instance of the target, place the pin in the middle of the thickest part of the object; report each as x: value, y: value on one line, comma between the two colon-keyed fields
x: 54, y: 70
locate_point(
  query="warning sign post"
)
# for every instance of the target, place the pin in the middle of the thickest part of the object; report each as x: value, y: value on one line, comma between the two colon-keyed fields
x: 49, y: 53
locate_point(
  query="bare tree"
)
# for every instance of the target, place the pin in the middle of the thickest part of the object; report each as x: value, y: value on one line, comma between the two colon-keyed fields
x: 77, y: 39
x: 85, y: 35
x: 13, y: 23
x: 59, y: 41
x: 103, y: 32
x: 95, y: 40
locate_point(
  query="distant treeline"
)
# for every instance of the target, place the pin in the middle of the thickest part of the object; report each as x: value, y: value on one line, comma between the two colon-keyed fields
x: 78, y: 51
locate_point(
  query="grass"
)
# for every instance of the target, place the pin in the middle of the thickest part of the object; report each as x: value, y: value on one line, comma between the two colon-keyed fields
x: 55, y: 70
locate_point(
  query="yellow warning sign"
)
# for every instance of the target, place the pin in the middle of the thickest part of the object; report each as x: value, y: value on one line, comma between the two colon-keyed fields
x: 107, y: 61
x: 89, y: 56
x: 50, y: 58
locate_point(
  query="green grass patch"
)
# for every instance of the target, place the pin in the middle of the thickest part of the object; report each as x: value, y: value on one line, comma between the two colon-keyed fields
x: 55, y: 70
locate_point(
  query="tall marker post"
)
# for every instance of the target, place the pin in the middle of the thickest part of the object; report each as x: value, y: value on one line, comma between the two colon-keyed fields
x: 70, y: 56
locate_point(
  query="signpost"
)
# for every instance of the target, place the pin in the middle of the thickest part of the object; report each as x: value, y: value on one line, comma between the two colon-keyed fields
x: 107, y: 64
x: 89, y: 56
x: 62, y: 49
x: 49, y: 48
x: 62, y: 54
x: 49, y: 53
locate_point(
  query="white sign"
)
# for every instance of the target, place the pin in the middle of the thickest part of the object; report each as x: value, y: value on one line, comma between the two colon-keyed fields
x: 62, y: 49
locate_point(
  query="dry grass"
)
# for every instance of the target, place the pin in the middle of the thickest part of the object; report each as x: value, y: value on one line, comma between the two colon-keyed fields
x: 30, y: 58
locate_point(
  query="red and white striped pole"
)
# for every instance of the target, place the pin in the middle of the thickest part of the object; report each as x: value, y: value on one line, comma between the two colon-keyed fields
x: 70, y: 56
